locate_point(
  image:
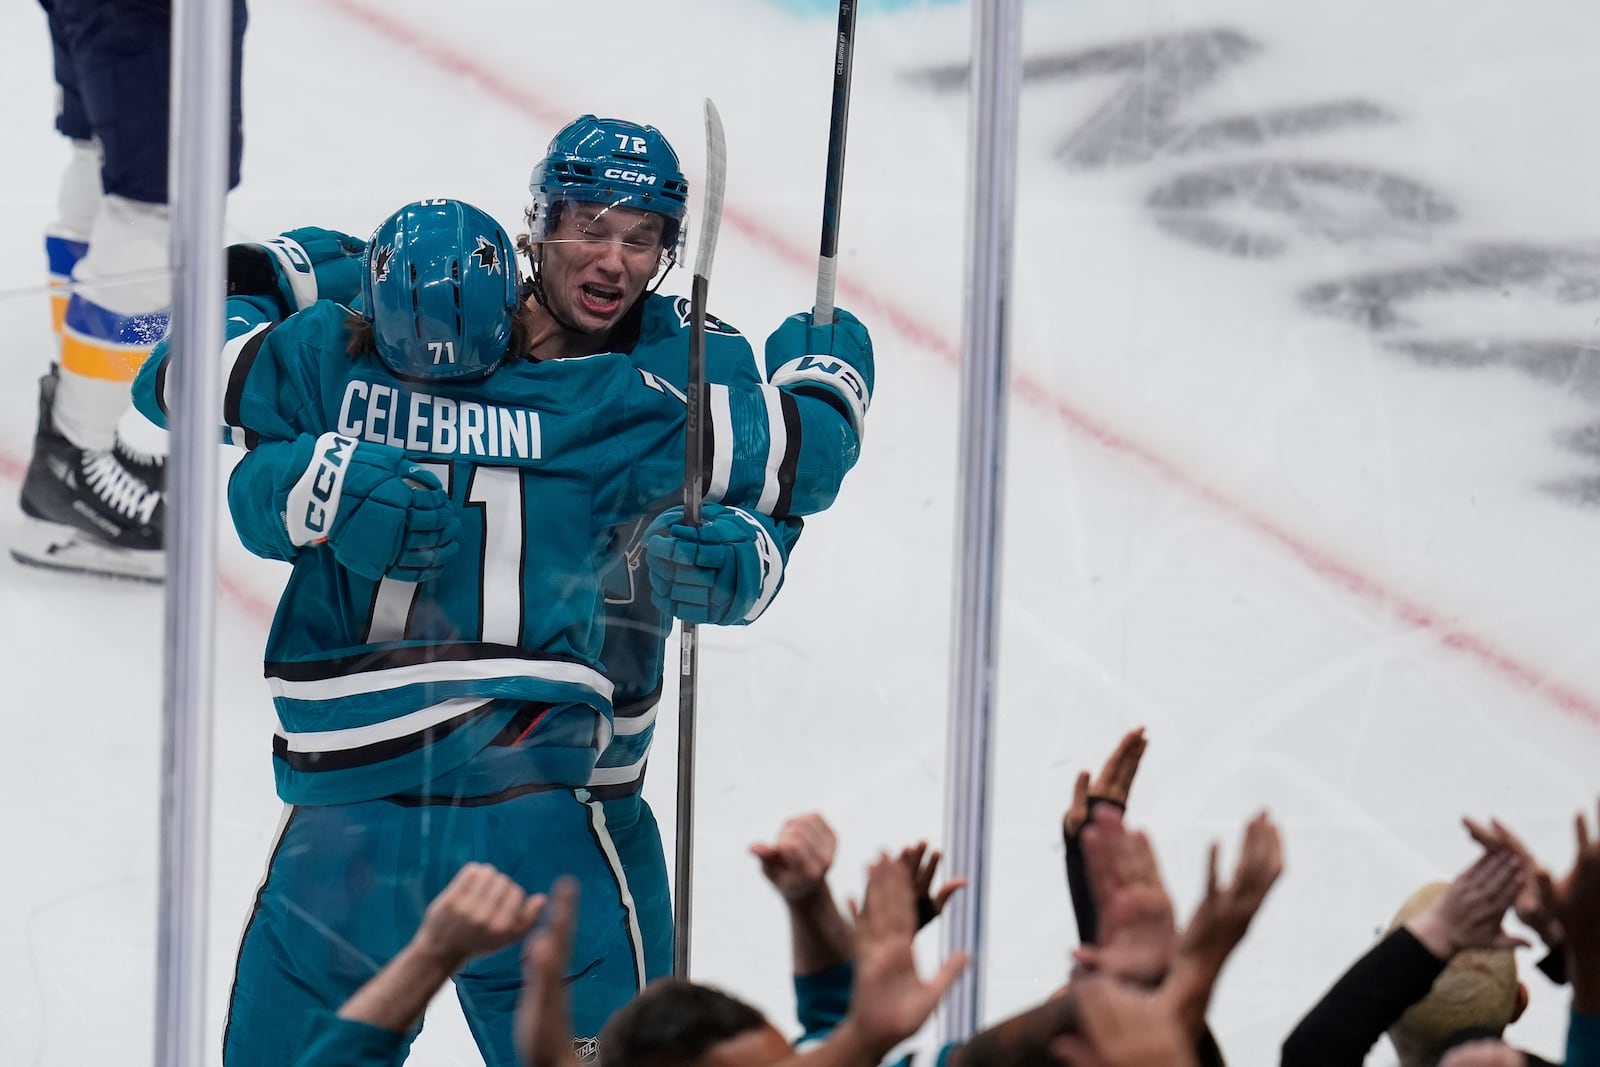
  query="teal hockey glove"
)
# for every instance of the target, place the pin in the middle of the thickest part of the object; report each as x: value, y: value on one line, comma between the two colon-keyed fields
x: 298, y: 268
x: 724, y: 572
x: 380, y: 513
x: 836, y: 357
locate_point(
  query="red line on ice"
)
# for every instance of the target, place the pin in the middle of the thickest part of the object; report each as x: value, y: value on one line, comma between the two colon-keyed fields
x: 1029, y: 390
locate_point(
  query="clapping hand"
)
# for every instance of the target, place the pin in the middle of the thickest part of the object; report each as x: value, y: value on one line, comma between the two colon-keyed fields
x: 1137, y: 932
x: 891, y: 1000
x: 923, y: 865
x: 797, y: 863
x: 1112, y: 784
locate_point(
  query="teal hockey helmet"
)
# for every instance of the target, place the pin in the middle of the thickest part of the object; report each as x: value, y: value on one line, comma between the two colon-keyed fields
x: 614, y: 163
x: 439, y: 286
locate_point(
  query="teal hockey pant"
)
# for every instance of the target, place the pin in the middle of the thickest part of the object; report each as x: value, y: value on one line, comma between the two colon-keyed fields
x: 346, y: 888
x: 638, y: 844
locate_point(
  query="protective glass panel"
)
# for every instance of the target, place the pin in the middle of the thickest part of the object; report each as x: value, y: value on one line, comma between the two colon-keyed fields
x: 1299, y: 478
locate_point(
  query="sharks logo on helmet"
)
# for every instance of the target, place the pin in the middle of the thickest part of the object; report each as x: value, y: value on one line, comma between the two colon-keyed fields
x: 380, y: 263
x: 487, y: 254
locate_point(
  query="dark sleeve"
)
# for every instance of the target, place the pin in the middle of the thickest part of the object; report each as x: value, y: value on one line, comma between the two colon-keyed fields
x: 1366, y: 1001
x: 823, y: 999
x: 1083, y: 907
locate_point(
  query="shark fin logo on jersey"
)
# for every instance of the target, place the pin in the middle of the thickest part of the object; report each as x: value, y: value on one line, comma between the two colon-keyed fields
x: 713, y: 324
x: 625, y: 553
x: 487, y: 255
x: 380, y: 263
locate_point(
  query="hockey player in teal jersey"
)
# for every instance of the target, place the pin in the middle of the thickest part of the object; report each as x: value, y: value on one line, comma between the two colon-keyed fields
x: 597, y: 249
x: 709, y: 575
x: 435, y: 662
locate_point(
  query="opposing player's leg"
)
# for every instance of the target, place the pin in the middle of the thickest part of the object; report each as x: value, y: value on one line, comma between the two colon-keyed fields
x: 92, y: 498
x: 607, y: 967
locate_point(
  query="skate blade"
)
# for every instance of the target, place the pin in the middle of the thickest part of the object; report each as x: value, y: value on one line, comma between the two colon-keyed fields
x: 58, y: 547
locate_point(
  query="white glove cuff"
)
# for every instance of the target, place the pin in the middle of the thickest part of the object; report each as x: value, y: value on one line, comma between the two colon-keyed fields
x: 835, y: 374
x: 295, y: 266
x: 314, y: 499
x: 771, y: 565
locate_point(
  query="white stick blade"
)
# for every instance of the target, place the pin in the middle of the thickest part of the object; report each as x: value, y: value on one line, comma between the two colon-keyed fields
x: 716, y: 188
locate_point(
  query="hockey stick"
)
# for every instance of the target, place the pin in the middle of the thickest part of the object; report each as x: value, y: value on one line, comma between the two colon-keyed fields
x: 693, y: 489
x: 833, y: 189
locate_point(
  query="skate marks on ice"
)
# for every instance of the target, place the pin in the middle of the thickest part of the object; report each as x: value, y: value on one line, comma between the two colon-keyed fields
x: 1532, y: 307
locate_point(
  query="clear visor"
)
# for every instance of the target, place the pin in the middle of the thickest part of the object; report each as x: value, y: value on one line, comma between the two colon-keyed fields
x: 634, y: 229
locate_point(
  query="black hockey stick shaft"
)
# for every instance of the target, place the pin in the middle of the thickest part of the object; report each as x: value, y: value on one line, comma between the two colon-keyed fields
x: 693, y: 491
x: 833, y: 190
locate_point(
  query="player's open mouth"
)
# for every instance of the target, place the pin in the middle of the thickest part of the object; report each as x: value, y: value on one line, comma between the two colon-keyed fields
x: 600, y: 299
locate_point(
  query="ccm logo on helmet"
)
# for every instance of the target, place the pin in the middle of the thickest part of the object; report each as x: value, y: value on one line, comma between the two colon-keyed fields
x: 637, y: 177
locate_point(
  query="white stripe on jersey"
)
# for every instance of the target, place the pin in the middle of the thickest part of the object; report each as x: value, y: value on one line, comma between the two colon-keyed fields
x: 777, y: 445
x: 390, y: 609
x: 635, y: 724
x: 722, y: 442
x: 388, y: 730
x: 619, y: 775
x: 439, y: 671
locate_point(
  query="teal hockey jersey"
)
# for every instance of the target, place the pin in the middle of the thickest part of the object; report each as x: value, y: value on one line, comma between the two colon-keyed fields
x: 380, y: 686
x: 636, y: 630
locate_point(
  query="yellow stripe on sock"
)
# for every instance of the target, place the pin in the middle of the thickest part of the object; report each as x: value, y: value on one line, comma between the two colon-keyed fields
x: 95, y: 358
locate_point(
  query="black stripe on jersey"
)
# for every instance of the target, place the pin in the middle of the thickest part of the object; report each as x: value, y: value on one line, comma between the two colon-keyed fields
x: 632, y: 709
x: 708, y: 436
x: 233, y: 396
x: 379, y: 751
x: 442, y: 800
x: 791, y: 454
x: 407, y: 656
x: 161, y: 384
x: 617, y: 792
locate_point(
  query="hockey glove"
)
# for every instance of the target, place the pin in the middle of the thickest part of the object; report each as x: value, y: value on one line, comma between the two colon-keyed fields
x: 724, y: 572
x: 380, y: 513
x: 837, y: 356
x: 298, y: 268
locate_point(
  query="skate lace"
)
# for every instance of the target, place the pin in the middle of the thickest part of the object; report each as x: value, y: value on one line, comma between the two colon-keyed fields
x: 118, y: 489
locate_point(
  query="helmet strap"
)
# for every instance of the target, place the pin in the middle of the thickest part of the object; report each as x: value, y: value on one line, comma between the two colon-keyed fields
x: 536, y: 280
x: 650, y: 290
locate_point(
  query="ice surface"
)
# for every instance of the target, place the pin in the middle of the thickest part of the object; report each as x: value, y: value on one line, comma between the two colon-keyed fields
x: 1302, y: 460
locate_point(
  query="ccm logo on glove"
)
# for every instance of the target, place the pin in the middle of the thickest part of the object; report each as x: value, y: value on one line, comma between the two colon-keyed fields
x: 327, y: 477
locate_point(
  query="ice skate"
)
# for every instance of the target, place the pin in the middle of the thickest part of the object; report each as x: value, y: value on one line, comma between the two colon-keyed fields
x: 91, y: 511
